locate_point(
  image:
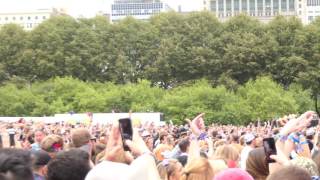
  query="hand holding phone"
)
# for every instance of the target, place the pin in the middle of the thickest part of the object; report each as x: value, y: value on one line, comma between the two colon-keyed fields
x: 269, y: 149
x: 126, y: 131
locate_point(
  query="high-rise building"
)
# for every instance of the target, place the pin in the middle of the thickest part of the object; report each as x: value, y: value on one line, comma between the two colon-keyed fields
x: 28, y: 19
x: 265, y: 10
x: 308, y: 10
x: 139, y: 9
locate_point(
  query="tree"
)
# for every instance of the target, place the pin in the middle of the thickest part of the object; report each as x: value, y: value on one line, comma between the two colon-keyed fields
x: 13, y: 40
x: 267, y: 99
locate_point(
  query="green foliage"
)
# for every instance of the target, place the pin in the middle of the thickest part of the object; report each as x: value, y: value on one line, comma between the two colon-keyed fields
x: 260, y: 99
x: 81, y: 65
x: 267, y: 99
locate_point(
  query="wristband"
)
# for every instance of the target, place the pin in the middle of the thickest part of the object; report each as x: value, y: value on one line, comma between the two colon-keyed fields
x: 304, y: 142
x: 293, y: 139
x: 282, y: 138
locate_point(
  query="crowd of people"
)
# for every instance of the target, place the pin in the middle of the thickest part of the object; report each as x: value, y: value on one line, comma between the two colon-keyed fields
x: 194, y: 151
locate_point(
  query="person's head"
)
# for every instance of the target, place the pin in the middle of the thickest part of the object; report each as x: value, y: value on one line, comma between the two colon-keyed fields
x: 290, y: 173
x: 52, y: 144
x: 80, y: 137
x: 250, y: 140
x: 163, y: 138
x: 307, y: 164
x: 241, y: 140
x: 15, y: 164
x: 219, y: 143
x: 170, y: 169
x: 310, y: 134
x: 39, y: 135
x: 257, y: 165
x: 226, y: 153
x: 40, y: 159
x: 72, y: 164
x: 198, y: 168
x: 234, y: 174
x: 234, y: 138
x: 184, y: 145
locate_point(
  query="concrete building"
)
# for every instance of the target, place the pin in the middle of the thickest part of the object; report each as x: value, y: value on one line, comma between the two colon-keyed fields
x: 29, y: 19
x: 139, y: 9
x: 308, y: 10
x: 265, y: 10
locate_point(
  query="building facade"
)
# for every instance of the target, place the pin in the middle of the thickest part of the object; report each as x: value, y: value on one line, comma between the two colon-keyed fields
x: 27, y: 20
x: 308, y: 10
x: 265, y: 10
x: 139, y: 9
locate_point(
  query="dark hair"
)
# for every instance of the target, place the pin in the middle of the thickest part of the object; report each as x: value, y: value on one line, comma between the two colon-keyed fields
x: 234, y: 137
x: 184, y: 144
x: 17, y: 162
x: 290, y: 173
x: 256, y: 164
x: 67, y: 165
x: 214, y: 133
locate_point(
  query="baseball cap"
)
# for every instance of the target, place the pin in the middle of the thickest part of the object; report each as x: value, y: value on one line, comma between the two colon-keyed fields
x: 249, y: 137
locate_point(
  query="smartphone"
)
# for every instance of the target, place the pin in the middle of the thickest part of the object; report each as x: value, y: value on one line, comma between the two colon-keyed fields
x: 126, y: 131
x: 269, y: 149
x: 315, y: 121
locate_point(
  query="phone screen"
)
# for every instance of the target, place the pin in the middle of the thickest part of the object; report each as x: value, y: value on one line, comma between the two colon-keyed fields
x: 126, y: 131
x: 269, y: 148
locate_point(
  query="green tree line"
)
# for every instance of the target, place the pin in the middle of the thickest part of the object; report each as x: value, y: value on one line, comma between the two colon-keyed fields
x: 257, y: 99
x: 169, y: 51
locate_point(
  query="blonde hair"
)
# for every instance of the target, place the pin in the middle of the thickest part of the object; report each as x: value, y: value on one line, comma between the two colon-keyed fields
x: 48, y: 142
x: 198, y: 168
x: 219, y: 143
x: 226, y: 153
x: 167, y: 168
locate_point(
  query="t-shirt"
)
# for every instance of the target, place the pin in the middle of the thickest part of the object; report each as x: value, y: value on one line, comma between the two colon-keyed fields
x: 244, y: 156
x: 160, y: 149
x: 11, y: 131
x: 35, y: 147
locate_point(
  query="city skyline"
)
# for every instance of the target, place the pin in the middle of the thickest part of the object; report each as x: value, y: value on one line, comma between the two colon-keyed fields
x: 87, y: 8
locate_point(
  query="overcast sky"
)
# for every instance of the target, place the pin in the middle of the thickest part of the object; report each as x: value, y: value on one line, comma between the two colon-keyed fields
x: 87, y: 8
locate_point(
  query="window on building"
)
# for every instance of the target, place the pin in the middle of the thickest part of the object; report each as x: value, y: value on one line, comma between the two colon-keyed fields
x: 220, y: 6
x: 13, y: 18
x: 300, y: 12
x: 236, y: 5
x: 310, y: 18
x: 276, y: 5
x: 228, y: 6
x: 6, y: 18
x: 36, y: 17
x: 21, y: 18
x: 44, y: 17
x: 252, y: 6
x: 244, y: 5
x: 283, y: 5
x: 291, y: 5
x: 213, y: 5
x: 29, y: 17
x: 260, y: 7
x: 268, y: 7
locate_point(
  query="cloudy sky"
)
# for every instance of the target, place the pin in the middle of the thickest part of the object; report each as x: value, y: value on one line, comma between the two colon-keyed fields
x: 87, y: 8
